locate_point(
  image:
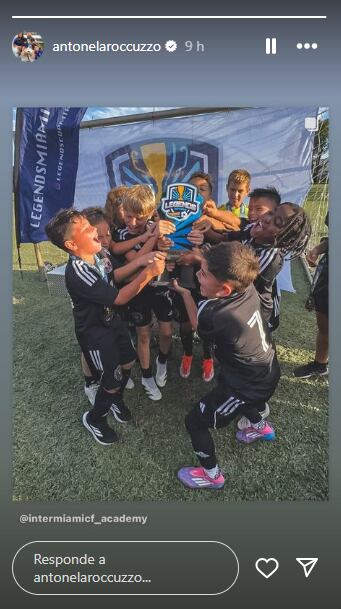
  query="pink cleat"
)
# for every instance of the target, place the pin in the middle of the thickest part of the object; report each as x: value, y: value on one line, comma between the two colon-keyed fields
x: 196, y: 477
x: 251, y: 434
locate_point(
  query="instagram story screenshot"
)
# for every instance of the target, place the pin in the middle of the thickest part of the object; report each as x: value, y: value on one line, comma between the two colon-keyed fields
x: 170, y: 343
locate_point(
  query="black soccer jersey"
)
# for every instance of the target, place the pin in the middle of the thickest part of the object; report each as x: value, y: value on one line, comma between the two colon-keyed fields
x: 242, y: 344
x: 122, y: 234
x: 92, y: 297
x: 270, y: 262
x: 151, y: 298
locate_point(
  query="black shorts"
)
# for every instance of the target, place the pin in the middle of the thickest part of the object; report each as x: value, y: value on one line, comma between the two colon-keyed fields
x: 319, y: 292
x: 151, y: 299
x: 107, y: 352
x: 179, y: 309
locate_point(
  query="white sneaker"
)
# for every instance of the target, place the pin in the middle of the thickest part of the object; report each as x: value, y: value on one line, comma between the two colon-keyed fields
x: 130, y: 384
x: 243, y: 422
x: 161, y: 373
x: 90, y: 392
x: 152, y: 390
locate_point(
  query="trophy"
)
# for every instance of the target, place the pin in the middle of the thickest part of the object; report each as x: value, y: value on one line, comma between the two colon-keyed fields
x: 182, y: 205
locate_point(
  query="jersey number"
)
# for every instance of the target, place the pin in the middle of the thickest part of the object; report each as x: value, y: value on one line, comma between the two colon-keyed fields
x: 256, y: 319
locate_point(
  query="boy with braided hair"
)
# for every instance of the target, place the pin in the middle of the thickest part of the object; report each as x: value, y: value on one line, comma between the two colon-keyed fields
x: 282, y: 234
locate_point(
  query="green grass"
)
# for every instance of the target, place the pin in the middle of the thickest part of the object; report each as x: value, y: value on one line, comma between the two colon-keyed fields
x: 55, y: 459
x: 316, y: 206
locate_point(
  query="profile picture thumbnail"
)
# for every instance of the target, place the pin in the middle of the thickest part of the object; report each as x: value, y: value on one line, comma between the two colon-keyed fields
x: 28, y: 46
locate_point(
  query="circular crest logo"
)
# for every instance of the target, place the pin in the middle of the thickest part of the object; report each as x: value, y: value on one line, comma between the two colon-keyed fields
x: 118, y: 376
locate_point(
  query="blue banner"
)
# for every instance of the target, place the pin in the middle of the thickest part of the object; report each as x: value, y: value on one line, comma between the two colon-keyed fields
x: 48, y: 162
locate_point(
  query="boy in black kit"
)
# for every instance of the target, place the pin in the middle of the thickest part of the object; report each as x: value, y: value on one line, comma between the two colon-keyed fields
x: 102, y: 336
x: 282, y: 233
x: 141, y: 234
x: 230, y: 316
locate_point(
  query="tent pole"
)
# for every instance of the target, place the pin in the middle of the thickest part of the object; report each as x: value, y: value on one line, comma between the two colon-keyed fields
x: 19, y: 262
x: 153, y: 116
x: 39, y: 258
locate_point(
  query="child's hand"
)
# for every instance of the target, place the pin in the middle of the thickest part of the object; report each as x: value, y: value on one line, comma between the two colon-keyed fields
x: 203, y: 224
x: 164, y: 244
x: 210, y: 208
x: 157, y: 266
x: 164, y: 227
x: 187, y: 259
x: 196, y: 237
x: 177, y: 288
x: 149, y: 258
x: 149, y: 232
x: 312, y: 256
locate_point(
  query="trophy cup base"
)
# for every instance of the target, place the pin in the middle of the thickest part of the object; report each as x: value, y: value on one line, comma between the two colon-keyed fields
x: 173, y: 255
x: 184, y: 275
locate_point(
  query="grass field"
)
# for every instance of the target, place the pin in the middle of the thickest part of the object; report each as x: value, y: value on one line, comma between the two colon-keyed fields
x: 316, y: 206
x: 55, y: 458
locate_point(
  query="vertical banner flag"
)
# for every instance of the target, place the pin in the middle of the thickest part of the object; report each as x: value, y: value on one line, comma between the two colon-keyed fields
x: 47, y: 161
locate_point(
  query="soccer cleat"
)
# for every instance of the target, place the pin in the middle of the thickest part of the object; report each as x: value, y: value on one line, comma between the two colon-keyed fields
x: 130, y: 384
x: 186, y: 365
x: 196, y: 477
x: 311, y: 369
x: 244, y: 422
x: 119, y: 410
x: 151, y: 388
x: 91, y: 391
x: 161, y: 373
x: 207, y: 370
x: 251, y: 434
x: 101, y: 432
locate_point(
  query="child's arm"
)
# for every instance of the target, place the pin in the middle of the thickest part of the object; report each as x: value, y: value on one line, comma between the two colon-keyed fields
x: 130, y: 268
x: 211, y: 236
x: 191, y: 307
x: 136, y: 285
x: 188, y: 258
x: 195, y: 237
x: 119, y: 248
x: 145, y: 249
x: 316, y: 251
x: 225, y: 216
x: 160, y: 228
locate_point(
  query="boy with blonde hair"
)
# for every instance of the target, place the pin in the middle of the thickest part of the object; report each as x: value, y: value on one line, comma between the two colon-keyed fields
x: 139, y: 236
x: 237, y: 188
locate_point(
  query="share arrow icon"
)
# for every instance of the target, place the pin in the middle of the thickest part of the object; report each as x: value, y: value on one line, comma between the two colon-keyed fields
x: 308, y: 564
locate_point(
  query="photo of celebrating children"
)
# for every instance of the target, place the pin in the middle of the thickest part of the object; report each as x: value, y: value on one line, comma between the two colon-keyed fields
x: 137, y: 383
x: 28, y: 46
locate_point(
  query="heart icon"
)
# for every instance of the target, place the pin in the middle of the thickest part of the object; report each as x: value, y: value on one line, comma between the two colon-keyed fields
x: 267, y: 566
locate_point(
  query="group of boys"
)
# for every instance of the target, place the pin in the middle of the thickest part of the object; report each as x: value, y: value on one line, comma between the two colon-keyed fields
x: 26, y: 47
x: 234, y: 314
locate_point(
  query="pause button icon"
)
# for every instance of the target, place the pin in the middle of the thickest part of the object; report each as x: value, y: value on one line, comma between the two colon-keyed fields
x: 271, y: 46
